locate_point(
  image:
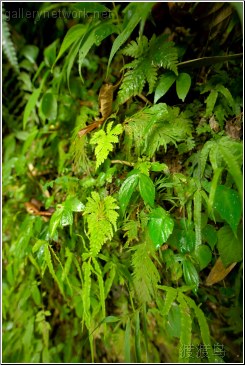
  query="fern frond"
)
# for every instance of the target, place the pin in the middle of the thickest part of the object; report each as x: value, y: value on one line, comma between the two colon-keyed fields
x: 148, y: 58
x: 154, y: 127
x: 49, y: 263
x: 104, y: 142
x: 101, y: 218
x: 186, y: 326
x: 145, y: 274
x: 99, y: 275
x: 169, y: 300
x: 136, y: 48
x: 204, y: 329
x: 86, y: 293
x: 131, y: 228
x: 8, y: 46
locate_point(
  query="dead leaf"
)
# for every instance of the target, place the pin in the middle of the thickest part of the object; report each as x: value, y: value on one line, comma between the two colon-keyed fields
x: 218, y: 272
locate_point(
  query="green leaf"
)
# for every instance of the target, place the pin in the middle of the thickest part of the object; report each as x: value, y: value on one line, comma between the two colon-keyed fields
x: 138, y: 12
x: 104, y: 142
x: 73, y: 34
x: 55, y: 221
x: 66, y: 218
x: 126, y: 191
x: 49, y: 106
x: 30, y: 52
x: 111, y: 319
x: 198, y: 217
x: 230, y: 247
x: 74, y: 204
x: 183, y: 84
x: 30, y: 106
x: 169, y: 300
x: 50, y: 54
x: 164, y: 84
x: 209, y: 235
x: 137, y: 337
x: 147, y: 189
x: 173, y: 325
x: 160, y: 226
x: 203, y: 255
x: 228, y: 204
x: 127, y: 342
x: 190, y: 274
x: 210, y: 101
x: 185, y: 331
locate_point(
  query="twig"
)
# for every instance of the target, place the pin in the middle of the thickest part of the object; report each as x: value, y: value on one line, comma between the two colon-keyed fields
x: 123, y: 162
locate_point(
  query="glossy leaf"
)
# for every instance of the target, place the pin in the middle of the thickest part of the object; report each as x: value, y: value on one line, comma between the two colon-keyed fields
x: 183, y: 84
x: 55, y: 221
x: 165, y: 82
x: 228, y: 204
x: 160, y: 226
x: 126, y: 191
x: 66, y: 218
x: 146, y: 189
x: 74, y: 204
x: 190, y: 274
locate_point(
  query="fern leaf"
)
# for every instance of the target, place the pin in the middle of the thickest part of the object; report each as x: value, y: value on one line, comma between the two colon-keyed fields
x: 101, y: 219
x: 8, y: 46
x: 86, y: 292
x: 136, y: 48
x: 164, y: 54
x: 170, y: 298
x: 133, y: 83
x: 104, y: 142
x: 186, y: 325
x: 99, y: 275
x: 131, y: 228
x: 204, y: 329
x: 51, y: 267
x: 145, y: 274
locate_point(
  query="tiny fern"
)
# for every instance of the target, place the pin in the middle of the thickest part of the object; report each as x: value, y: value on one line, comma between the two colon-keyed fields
x: 101, y: 218
x: 8, y: 46
x: 149, y: 57
x: 104, y: 141
x: 169, y: 300
x: 145, y: 274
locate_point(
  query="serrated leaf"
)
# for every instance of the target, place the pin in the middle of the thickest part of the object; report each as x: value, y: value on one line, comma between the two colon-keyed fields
x: 228, y: 204
x: 147, y: 189
x: 165, y: 82
x: 104, y: 142
x: 203, y: 255
x: 230, y: 247
x: 126, y: 191
x: 183, y: 84
x: 160, y: 226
